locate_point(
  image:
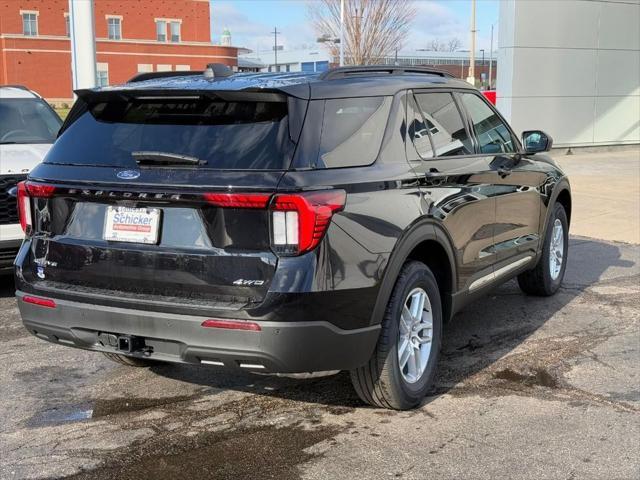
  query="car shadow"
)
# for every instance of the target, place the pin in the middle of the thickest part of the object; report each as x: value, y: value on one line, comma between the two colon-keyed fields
x: 476, y: 337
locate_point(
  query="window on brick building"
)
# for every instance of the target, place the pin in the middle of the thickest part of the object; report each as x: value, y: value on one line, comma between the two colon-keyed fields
x: 114, y: 28
x: 30, y: 23
x: 161, y: 30
x: 102, y: 74
x: 67, y: 24
x: 175, y: 31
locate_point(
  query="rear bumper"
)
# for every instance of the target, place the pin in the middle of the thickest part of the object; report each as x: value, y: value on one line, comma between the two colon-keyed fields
x: 284, y: 347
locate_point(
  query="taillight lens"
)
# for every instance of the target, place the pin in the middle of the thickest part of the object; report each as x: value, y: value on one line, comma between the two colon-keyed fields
x: 299, y: 221
x: 24, y: 207
x: 237, y: 200
x: 26, y: 191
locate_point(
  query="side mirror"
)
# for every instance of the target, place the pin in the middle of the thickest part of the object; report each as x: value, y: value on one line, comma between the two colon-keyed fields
x: 536, y: 141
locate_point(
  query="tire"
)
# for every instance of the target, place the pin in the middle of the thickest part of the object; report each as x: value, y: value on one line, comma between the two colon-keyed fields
x: 130, y: 361
x: 541, y: 280
x: 381, y: 382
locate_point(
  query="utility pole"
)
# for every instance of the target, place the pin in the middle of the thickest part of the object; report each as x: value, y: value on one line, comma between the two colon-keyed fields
x: 472, y: 57
x: 482, y: 72
x: 491, y: 61
x: 275, y: 46
x: 341, y: 33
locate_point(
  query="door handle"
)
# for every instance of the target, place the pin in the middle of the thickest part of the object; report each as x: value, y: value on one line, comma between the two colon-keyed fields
x: 504, y: 172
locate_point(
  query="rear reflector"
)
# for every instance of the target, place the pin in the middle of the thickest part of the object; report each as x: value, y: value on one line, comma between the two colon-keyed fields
x: 232, y: 325
x: 41, y: 302
x: 238, y: 200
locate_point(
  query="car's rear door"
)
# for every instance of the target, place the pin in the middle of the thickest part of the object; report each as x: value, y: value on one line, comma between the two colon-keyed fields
x: 516, y: 178
x: 457, y: 185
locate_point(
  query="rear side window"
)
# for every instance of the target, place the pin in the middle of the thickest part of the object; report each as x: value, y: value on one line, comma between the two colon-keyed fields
x: 445, y: 125
x: 230, y: 135
x: 352, y: 131
x: 492, y: 134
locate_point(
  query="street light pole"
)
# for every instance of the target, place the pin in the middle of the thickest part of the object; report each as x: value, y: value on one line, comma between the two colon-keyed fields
x: 341, y: 33
x: 83, y: 44
x: 491, y: 61
x: 472, y: 57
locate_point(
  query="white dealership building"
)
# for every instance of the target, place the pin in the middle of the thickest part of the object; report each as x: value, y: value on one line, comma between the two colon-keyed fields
x: 571, y: 68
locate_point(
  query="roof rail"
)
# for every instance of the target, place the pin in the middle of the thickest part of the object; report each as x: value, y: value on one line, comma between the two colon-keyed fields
x: 140, y: 77
x: 343, y: 72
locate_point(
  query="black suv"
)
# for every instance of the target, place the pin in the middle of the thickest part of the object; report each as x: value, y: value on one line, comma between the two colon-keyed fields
x: 285, y: 222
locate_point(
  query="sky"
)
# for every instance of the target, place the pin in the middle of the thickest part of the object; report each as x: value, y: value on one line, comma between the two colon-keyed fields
x: 251, y: 23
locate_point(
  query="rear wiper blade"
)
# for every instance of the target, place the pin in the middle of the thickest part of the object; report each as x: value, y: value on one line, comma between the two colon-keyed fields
x: 165, y: 158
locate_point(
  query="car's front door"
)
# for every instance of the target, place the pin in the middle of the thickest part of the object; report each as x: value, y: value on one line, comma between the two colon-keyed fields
x: 516, y: 185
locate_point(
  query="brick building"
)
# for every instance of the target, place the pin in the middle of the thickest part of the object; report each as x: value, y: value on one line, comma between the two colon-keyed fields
x: 131, y: 36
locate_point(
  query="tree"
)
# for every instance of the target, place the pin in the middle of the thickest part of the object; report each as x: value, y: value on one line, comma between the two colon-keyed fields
x: 373, y: 29
x: 451, y: 45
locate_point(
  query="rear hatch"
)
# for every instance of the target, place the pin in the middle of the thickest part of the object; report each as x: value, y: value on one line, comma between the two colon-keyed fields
x: 161, y: 199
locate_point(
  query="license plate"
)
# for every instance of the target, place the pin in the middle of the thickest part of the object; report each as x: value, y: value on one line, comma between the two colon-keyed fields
x: 137, y: 225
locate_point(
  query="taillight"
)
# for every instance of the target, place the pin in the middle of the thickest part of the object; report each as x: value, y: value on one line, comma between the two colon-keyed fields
x: 26, y: 191
x: 299, y: 221
x: 238, y: 200
x: 24, y: 207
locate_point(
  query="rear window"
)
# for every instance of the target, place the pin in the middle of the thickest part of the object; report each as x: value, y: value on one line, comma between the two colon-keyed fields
x: 230, y: 135
x: 352, y: 131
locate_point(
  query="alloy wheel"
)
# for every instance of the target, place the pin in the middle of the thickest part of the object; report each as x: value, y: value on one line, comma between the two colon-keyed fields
x: 556, y: 249
x: 415, y: 335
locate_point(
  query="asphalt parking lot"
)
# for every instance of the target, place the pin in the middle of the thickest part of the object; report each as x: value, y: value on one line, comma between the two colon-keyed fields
x: 528, y: 388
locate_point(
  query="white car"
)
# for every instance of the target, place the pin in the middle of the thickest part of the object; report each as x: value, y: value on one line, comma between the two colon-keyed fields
x: 28, y: 128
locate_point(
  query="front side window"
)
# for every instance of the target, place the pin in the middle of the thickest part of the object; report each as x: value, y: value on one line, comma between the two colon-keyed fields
x: 114, y: 28
x: 161, y: 31
x: 175, y: 31
x: 492, y: 134
x: 444, y: 123
x: 30, y: 24
x: 352, y: 131
x: 26, y: 120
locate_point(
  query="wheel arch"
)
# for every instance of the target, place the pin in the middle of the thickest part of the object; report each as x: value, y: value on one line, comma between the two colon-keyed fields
x: 561, y: 194
x: 429, y: 243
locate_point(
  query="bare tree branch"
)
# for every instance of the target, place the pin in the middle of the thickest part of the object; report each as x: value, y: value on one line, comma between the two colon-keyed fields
x: 373, y: 29
x: 438, y: 45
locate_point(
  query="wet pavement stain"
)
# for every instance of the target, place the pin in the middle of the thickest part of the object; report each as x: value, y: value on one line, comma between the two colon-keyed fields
x: 268, y: 452
x: 61, y: 414
x: 106, y: 407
